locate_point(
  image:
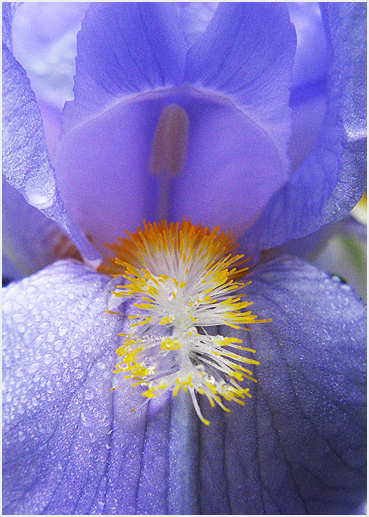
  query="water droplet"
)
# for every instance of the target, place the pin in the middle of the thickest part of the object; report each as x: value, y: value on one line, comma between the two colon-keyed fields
x: 50, y: 387
x: 64, y: 352
x: 89, y: 394
x: 40, y: 195
x: 48, y: 359
x: 78, y: 373
x: 62, y: 331
x: 58, y: 344
x: 77, y: 363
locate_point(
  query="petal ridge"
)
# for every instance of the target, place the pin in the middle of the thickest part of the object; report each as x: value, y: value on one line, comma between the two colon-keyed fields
x: 247, y: 53
x: 124, y: 49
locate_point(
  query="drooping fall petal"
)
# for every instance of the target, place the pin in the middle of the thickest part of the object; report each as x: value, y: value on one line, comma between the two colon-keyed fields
x: 73, y: 446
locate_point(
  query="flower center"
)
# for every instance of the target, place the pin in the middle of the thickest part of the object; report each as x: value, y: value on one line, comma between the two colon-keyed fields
x: 183, y: 280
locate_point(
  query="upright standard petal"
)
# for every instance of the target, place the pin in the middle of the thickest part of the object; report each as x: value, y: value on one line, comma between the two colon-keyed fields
x: 246, y: 54
x: 72, y: 446
x: 309, y: 87
x: 238, y: 115
x: 124, y: 49
x: 237, y: 152
x: 332, y: 178
x: 26, y: 163
x: 310, y: 59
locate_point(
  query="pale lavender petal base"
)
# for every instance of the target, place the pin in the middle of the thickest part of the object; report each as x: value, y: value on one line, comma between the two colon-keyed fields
x: 103, y: 167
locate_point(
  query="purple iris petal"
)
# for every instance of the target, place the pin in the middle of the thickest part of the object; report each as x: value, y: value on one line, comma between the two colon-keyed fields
x: 29, y: 238
x: 310, y: 63
x: 309, y: 87
x: 322, y: 182
x: 26, y: 163
x: 102, y: 171
x: 239, y: 120
x: 246, y: 53
x: 194, y: 17
x: 103, y: 168
x: 232, y: 168
x: 72, y: 446
x: 301, y: 449
x: 332, y: 178
x: 8, y: 10
x: 124, y: 49
x: 61, y: 416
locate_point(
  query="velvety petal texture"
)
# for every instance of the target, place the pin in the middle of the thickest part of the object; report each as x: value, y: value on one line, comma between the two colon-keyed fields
x: 332, y: 178
x: 73, y: 446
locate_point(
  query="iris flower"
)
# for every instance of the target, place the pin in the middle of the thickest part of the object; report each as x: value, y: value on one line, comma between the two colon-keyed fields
x: 221, y: 116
